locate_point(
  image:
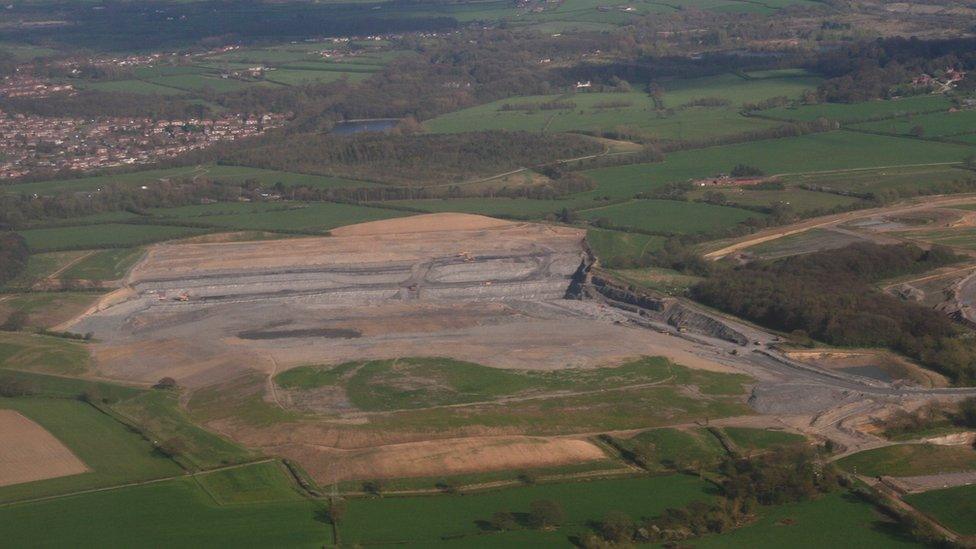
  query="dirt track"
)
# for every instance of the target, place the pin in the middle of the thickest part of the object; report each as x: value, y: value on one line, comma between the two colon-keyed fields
x: 28, y: 452
x: 768, y: 235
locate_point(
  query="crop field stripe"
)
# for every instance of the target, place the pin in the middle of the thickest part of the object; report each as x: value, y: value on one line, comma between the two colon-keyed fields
x: 137, y: 483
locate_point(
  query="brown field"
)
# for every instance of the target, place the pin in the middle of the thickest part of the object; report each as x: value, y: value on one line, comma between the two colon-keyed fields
x: 29, y: 453
x: 443, y: 457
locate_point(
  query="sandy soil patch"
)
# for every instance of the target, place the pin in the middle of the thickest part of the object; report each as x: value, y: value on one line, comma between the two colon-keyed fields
x: 422, y: 224
x: 29, y: 453
x: 443, y: 457
x: 862, y: 362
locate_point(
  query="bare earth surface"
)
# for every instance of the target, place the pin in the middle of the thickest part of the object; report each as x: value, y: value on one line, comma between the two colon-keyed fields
x: 28, y: 452
x: 447, y: 457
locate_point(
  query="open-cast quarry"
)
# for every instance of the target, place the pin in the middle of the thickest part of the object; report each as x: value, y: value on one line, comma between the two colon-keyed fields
x: 225, y: 318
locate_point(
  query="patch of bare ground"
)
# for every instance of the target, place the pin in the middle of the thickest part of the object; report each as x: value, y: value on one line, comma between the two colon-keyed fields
x: 872, y: 363
x: 441, y: 457
x: 28, y: 452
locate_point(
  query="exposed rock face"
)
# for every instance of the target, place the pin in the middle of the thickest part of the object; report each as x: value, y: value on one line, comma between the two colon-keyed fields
x: 592, y: 283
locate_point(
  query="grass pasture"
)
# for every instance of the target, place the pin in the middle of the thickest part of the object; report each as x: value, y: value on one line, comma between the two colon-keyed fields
x: 941, y: 124
x: 669, y: 216
x: 102, y: 236
x: 677, y: 448
x: 800, y: 200
x: 616, y: 248
x: 115, y: 454
x: 46, y: 309
x: 958, y: 237
x: 45, y: 354
x: 906, y: 460
x: 827, y: 153
x: 635, y: 111
x: 879, y: 181
x: 150, y: 177
x: 834, y: 520
x: 104, y: 265
x: 388, y: 384
x: 132, y: 86
x: 513, y: 208
x: 43, y: 265
x: 459, y: 520
x: 294, y: 77
x: 868, y: 110
x: 953, y: 507
x: 175, y: 513
x: 310, y: 218
x: 666, y: 281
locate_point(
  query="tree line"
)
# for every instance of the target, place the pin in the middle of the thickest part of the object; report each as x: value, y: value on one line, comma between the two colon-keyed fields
x: 829, y: 296
x: 13, y: 256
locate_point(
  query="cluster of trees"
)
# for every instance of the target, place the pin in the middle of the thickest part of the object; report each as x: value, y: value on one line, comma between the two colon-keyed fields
x: 785, y: 474
x: 13, y: 256
x: 829, y: 296
x: 16, y: 387
x: 107, y: 104
x: 882, y: 68
x: 403, y: 159
x: 933, y: 414
x: 543, y: 514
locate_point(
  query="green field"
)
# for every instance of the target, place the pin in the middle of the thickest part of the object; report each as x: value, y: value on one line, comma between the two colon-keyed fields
x: 259, y: 483
x: 616, y: 248
x: 114, y: 453
x: 517, y: 208
x: 750, y: 440
x: 941, y: 124
x: 962, y: 237
x: 666, y: 281
x: 219, y: 172
x: 898, y: 179
x: 38, y: 353
x: 43, y: 265
x: 420, y: 521
x: 869, y: 110
x: 176, y: 513
x: 311, y: 218
x: 838, y: 150
x: 669, y: 216
x: 953, y: 507
x: 642, y: 393
x: 834, y: 520
x: 677, y: 448
x: 800, y: 200
x: 394, y: 384
x: 814, y: 240
x: 104, y: 265
x: 102, y: 236
x: 633, y: 111
x: 905, y: 460
x: 294, y: 77
x: 131, y: 86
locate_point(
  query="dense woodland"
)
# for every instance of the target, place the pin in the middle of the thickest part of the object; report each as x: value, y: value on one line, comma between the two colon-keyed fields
x: 829, y: 296
x: 13, y: 256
